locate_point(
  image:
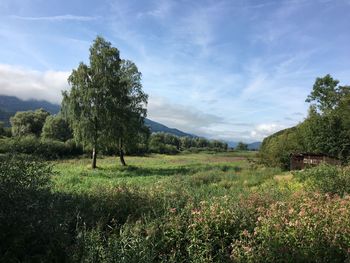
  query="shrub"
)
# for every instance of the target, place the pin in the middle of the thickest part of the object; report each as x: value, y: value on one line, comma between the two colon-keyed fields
x: 163, y: 148
x: 27, y: 228
x: 56, y: 128
x: 45, y: 148
x: 326, y: 179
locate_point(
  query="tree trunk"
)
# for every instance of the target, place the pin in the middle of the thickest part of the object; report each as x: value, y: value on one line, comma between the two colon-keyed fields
x: 94, y: 156
x: 121, y: 152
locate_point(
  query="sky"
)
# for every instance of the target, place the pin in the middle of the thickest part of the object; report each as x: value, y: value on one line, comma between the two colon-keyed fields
x: 236, y: 70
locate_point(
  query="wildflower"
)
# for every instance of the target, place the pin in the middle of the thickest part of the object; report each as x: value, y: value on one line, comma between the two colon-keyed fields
x: 195, y: 212
x: 245, y: 233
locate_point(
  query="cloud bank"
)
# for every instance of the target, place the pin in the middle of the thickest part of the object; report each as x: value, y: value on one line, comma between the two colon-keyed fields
x: 30, y: 84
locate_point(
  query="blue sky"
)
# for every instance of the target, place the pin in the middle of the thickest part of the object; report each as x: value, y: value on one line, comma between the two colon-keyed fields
x: 231, y: 69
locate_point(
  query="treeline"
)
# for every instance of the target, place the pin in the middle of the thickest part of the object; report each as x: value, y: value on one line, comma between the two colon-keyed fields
x: 326, y: 129
x: 39, y: 133
x: 50, y: 136
x: 168, y: 143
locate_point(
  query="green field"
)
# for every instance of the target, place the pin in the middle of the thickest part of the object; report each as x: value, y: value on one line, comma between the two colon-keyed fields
x: 204, y: 175
x: 205, y: 207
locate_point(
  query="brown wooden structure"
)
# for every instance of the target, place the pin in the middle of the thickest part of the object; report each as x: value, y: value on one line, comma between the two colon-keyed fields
x: 299, y: 161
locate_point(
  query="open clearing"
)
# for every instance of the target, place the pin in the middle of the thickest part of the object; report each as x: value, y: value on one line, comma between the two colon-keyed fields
x: 220, y: 173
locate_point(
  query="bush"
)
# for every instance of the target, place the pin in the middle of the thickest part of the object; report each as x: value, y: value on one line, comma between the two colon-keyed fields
x: 56, y: 128
x: 164, y: 149
x: 27, y: 229
x: 326, y: 179
x: 45, y: 148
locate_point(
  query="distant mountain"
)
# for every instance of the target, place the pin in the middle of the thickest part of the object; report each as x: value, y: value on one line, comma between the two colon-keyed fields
x: 9, y: 105
x: 14, y: 104
x: 158, y: 127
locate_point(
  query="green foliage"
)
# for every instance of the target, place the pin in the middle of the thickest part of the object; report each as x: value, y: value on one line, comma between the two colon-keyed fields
x: 171, y: 144
x: 28, y: 122
x: 276, y: 149
x: 2, y: 129
x: 327, y: 133
x: 26, y: 225
x: 127, y: 127
x: 56, y: 128
x: 326, y: 94
x: 326, y: 179
x: 45, y: 148
x: 106, y: 104
x: 241, y: 147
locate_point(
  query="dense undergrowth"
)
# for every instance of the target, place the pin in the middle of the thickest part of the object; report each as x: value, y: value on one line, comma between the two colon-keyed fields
x: 184, y: 208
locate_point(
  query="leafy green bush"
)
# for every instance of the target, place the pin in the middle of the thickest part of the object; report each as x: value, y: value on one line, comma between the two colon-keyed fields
x: 28, y: 231
x: 56, y: 128
x: 45, y: 148
x: 326, y: 179
x: 163, y: 148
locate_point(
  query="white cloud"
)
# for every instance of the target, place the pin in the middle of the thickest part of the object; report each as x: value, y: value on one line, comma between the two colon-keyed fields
x: 182, y: 117
x: 31, y: 84
x: 263, y: 130
x: 162, y: 10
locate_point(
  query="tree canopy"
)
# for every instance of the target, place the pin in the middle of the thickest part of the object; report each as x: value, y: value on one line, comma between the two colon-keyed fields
x: 2, y: 129
x: 28, y: 122
x: 106, y: 103
x: 241, y: 146
x: 57, y: 128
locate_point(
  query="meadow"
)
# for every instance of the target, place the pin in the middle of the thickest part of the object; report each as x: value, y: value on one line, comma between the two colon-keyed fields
x: 204, y: 207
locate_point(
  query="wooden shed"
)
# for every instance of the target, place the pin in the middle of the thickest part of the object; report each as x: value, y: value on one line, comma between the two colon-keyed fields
x: 299, y: 161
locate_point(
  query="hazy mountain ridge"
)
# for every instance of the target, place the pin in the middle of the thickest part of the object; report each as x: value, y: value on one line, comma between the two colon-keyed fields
x: 9, y: 105
x: 158, y: 127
